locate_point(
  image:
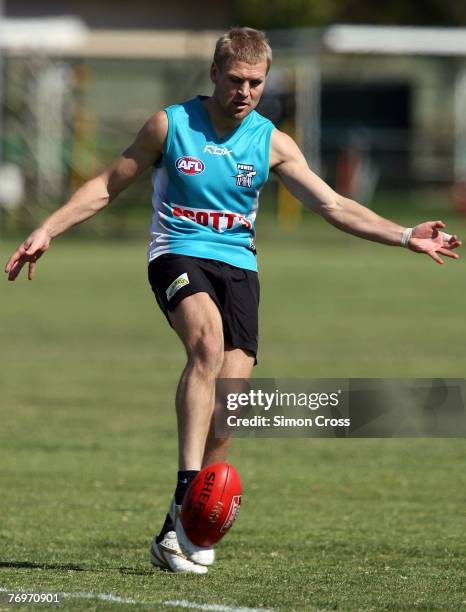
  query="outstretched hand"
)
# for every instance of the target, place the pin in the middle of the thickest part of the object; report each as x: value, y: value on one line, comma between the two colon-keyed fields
x: 28, y: 251
x: 428, y: 238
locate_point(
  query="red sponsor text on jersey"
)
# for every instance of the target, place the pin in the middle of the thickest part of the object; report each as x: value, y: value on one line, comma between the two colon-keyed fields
x: 189, y: 165
x: 218, y: 220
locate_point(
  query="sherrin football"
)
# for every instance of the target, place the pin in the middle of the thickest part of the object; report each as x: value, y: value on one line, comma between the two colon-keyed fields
x: 211, y: 504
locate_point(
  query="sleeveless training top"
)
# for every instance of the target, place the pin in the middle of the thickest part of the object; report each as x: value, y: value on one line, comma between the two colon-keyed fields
x: 206, y: 188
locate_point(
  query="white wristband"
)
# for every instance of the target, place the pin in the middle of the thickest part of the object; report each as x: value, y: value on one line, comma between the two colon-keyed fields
x: 406, y: 237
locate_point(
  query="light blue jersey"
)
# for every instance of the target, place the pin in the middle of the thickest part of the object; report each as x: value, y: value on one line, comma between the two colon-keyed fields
x: 206, y: 188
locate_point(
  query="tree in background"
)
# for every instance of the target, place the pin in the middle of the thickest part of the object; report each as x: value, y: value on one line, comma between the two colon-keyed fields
x: 278, y: 14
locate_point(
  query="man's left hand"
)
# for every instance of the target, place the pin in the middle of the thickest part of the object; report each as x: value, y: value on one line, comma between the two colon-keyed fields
x: 428, y: 238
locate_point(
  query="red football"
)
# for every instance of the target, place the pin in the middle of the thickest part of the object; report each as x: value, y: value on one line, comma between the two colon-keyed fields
x: 211, y: 504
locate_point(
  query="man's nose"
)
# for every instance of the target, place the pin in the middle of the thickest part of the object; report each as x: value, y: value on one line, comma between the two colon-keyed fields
x: 243, y: 89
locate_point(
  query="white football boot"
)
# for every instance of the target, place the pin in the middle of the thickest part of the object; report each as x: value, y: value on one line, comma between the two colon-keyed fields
x: 201, y: 555
x: 168, y: 555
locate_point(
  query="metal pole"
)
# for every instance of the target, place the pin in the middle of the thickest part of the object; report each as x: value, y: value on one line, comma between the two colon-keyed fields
x: 308, y: 93
x: 460, y: 125
x: 2, y: 85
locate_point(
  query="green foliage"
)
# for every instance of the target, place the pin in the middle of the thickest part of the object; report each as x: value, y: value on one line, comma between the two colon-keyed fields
x: 281, y: 14
x: 277, y: 14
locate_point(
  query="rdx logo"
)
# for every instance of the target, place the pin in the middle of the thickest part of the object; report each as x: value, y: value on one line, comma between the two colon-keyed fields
x: 214, y: 150
x: 189, y: 165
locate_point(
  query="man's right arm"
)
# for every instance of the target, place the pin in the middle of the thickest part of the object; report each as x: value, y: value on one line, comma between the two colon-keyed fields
x: 95, y: 194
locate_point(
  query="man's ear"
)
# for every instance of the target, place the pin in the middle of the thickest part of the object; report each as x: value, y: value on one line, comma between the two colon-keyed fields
x: 213, y: 73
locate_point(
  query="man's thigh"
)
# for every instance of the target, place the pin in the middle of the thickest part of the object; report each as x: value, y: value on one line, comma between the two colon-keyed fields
x: 197, y: 321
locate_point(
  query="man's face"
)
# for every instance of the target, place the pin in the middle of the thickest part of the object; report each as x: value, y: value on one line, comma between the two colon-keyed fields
x: 238, y: 87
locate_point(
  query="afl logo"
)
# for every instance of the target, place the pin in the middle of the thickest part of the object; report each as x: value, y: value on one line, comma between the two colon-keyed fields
x: 189, y: 165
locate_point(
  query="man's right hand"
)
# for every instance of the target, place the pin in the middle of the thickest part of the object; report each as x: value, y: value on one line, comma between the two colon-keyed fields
x: 28, y: 251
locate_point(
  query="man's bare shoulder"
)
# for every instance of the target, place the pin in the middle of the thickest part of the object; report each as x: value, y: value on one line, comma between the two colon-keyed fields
x: 154, y: 132
x: 147, y: 147
x: 282, y: 149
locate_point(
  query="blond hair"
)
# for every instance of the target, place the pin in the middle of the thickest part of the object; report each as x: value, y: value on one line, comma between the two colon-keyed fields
x: 244, y: 45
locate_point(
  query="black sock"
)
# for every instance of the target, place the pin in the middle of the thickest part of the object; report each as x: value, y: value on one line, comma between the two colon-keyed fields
x: 184, y: 480
x: 167, y: 526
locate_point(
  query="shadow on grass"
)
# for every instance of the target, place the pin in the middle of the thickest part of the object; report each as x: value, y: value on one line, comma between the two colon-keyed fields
x: 137, y: 572
x: 70, y: 567
x: 43, y: 566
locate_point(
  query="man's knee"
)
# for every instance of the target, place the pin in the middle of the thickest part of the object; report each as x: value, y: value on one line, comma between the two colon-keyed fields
x: 198, y: 322
x: 206, y: 352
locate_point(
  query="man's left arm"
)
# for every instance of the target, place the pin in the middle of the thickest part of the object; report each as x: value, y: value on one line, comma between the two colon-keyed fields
x: 287, y: 161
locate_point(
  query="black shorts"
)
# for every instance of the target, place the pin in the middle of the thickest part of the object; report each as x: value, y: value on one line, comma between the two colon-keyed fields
x: 234, y: 290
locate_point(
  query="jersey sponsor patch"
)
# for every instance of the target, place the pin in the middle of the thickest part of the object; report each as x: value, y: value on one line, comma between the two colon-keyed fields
x: 245, y: 175
x: 176, y: 285
x: 189, y: 165
x: 219, y: 220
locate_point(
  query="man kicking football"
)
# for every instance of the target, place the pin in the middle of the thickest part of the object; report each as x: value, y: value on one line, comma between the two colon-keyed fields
x: 210, y: 157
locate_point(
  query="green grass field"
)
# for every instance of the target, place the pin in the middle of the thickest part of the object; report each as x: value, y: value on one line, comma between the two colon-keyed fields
x: 88, y: 450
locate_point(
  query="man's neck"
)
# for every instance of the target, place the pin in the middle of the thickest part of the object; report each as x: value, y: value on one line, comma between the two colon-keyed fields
x: 220, y: 122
